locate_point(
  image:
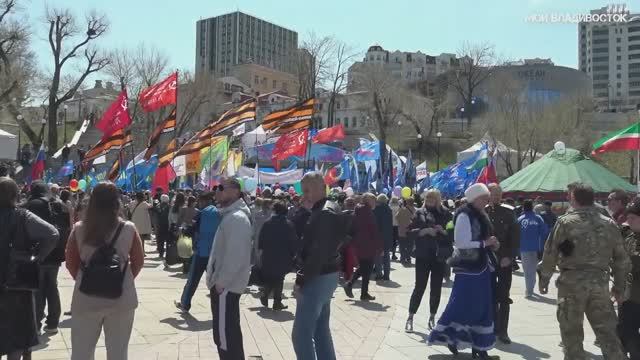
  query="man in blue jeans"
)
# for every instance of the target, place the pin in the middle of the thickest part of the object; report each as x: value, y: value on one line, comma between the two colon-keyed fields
x: 205, y: 226
x: 317, y: 279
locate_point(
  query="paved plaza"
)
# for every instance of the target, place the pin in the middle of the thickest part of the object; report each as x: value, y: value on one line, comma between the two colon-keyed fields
x: 373, y: 330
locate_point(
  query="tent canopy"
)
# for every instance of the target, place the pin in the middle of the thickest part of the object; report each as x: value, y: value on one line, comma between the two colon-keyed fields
x: 8, y: 145
x: 549, y: 176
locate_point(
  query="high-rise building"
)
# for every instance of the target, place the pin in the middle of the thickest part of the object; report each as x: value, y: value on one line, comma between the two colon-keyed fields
x: 237, y: 38
x: 609, y: 52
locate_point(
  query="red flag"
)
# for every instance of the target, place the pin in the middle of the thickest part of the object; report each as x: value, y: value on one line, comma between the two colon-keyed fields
x: 164, y: 175
x: 161, y: 94
x: 116, y: 117
x: 328, y: 135
x: 290, y: 144
x: 488, y: 174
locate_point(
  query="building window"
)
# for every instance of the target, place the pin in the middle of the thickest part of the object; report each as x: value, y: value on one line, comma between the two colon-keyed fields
x: 362, y: 121
x: 618, y: 67
x: 634, y: 47
x: 634, y: 56
x: 618, y: 58
x: 618, y: 40
x: 619, y: 76
x: 354, y: 122
x: 337, y: 121
x: 619, y: 85
x: 337, y: 104
x: 346, y: 122
x: 256, y: 79
x: 378, y: 57
x: 275, y: 83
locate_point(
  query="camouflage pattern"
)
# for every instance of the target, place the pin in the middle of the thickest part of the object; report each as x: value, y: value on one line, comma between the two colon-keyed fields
x: 583, y: 284
x: 632, y: 244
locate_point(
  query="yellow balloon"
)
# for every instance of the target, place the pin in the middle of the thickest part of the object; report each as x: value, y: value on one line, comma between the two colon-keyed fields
x: 327, y: 189
x: 406, y: 192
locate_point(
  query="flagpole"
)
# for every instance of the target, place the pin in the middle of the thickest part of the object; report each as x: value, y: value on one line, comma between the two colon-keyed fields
x: 134, y: 185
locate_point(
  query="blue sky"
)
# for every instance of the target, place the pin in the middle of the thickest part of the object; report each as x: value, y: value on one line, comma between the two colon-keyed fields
x: 410, y: 25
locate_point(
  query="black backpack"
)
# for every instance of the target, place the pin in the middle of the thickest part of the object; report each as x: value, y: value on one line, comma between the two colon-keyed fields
x: 102, y: 276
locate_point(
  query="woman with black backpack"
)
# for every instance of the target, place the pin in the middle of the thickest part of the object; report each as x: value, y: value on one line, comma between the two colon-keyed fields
x: 104, y: 297
x: 24, y: 240
x: 432, y: 248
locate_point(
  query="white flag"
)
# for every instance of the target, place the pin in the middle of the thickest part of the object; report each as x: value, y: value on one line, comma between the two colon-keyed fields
x: 421, y: 171
x: 100, y: 160
x: 239, y: 130
x: 180, y: 165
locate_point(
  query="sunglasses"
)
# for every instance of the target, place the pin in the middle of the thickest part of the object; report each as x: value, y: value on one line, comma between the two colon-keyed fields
x: 218, y: 188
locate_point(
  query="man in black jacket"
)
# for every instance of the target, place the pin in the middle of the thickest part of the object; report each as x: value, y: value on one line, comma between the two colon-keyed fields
x: 317, y: 279
x: 48, y: 294
x: 506, y: 229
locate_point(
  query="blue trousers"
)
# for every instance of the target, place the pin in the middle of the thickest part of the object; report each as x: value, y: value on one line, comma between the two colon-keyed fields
x: 311, y: 334
x: 198, y: 267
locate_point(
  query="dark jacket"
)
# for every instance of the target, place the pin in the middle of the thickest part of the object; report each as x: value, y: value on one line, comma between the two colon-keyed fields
x: 323, y: 237
x: 277, y: 241
x: 427, y: 246
x: 43, y: 208
x: 384, y: 220
x: 367, y: 241
x: 17, y: 318
x: 476, y: 259
x: 632, y: 244
x: 163, y: 220
x: 505, y: 228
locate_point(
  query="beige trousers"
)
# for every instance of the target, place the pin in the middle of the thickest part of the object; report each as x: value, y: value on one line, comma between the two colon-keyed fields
x: 86, y: 329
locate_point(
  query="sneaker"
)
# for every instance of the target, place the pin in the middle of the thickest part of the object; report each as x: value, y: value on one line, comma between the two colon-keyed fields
x: 67, y: 313
x: 279, y: 306
x: 179, y: 306
x: 50, y: 329
x: 367, y: 297
x: 432, y: 322
x: 394, y: 258
x: 348, y: 289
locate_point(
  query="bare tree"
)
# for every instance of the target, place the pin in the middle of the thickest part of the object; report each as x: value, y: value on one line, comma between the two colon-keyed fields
x: 197, y: 95
x: 530, y: 129
x: 137, y: 69
x: 68, y: 41
x: 343, y: 56
x: 313, y: 63
x: 475, y: 64
x: 385, y: 100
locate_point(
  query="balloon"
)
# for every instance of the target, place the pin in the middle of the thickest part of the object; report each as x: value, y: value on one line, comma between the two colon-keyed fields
x: 241, y: 181
x: 397, y: 191
x: 250, y: 184
x: 82, y: 184
x: 73, y: 185
x: 298, y: 187
x: 327, y: 189
x: 406, y: 192
x: 349, y: 191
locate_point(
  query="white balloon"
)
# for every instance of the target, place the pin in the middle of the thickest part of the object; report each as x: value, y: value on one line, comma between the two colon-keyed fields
x: 559, y: 146
x: 349, y: 191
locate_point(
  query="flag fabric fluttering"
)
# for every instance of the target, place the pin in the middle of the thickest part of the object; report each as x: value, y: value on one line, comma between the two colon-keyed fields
x: 341, y: 171
x: 214, y: 157
x: 66, y: 169
x: 293, y: 118
x: 114, y: 171
x: 37, y: 169
x: 161, y: 94
x: 116, y: 117
x: 452, y: 181
x: 325, y: 136
x: 116, y: 141
x: 622, y: 140
x: 368, y: 150
x: 290, y: 144
x: 169, y: 153
x: 166, y: 126
x: 482, y: 160
x: 236, y: 116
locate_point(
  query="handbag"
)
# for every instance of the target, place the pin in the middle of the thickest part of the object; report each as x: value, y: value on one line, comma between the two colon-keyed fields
x: 464, y: 257
x: 23, y: 268
x: 185, y: 247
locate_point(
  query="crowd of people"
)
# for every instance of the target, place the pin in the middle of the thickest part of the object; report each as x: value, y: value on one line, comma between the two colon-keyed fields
x: 327, y: 240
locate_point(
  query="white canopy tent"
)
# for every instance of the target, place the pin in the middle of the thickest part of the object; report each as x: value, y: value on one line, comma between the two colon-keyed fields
x: 502, y: 152
x: 8, y: 145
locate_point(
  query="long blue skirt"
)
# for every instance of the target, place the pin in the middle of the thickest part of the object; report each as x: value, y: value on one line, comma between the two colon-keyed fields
x: 467, y: 320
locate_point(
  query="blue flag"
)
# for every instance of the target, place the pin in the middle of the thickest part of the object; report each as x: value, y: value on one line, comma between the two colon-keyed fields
x: 367, y: 151
x: 452, y: 181
x: 66, y: 169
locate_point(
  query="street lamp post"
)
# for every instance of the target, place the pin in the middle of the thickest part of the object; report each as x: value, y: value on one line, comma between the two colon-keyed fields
x: 65, y: 124
x: 462, y: 120
x: 438, y: 135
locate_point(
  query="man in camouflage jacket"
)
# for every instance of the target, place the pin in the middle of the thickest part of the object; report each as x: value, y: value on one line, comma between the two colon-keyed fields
x: 584, y: 245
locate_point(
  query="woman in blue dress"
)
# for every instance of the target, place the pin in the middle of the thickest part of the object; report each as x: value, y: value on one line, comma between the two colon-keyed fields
x: 467, y: 320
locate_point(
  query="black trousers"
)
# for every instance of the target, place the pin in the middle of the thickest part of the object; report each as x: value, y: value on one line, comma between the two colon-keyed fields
x: 48, y: 296
x: 273, y: 284
x: 395, y: 241
x: 503, y: 277
x: 424, y: 268
x: 161, y: 240
x: 364, y: 270
x: 227, y: 334
x: 628, y: 327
